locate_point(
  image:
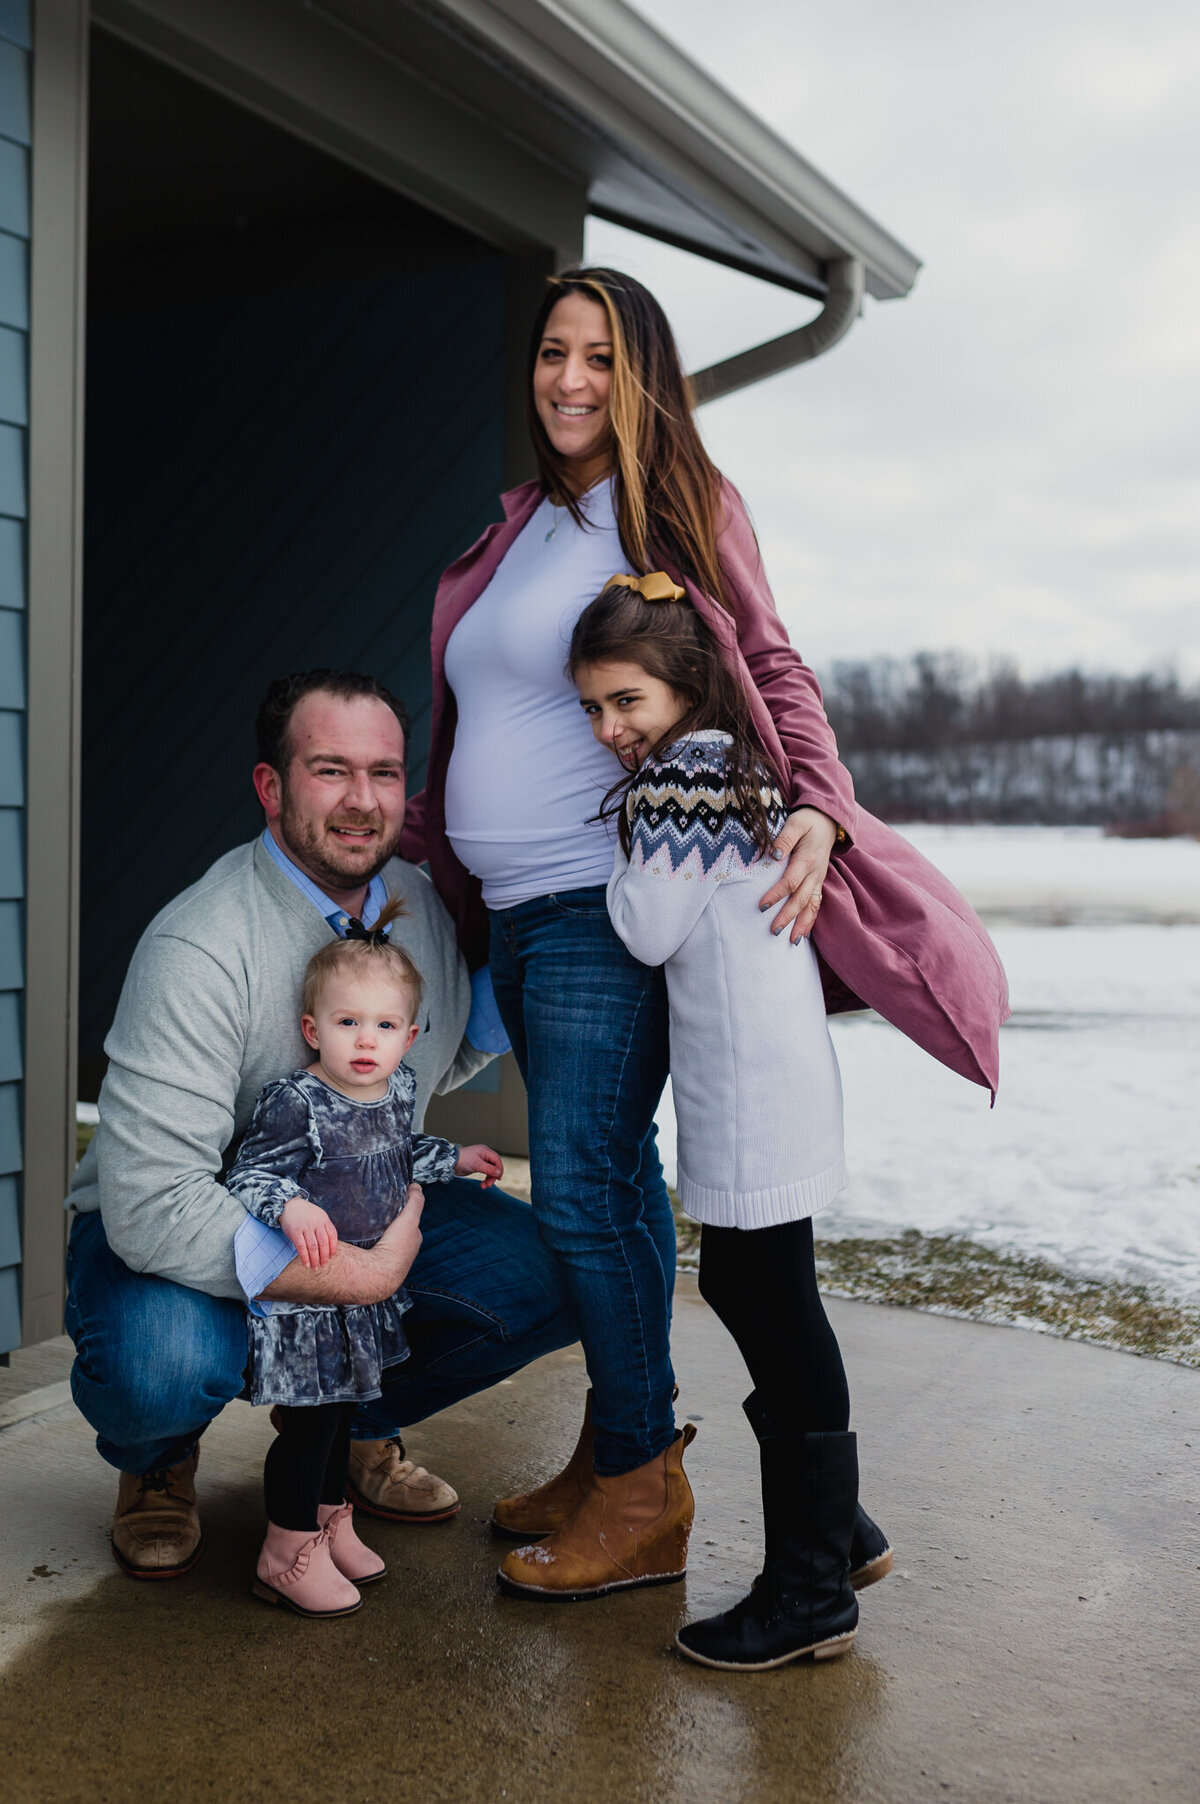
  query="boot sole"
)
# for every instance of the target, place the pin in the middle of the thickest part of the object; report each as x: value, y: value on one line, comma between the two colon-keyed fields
x: 817, y: 1650
x: 411, y: 1516
x: 156, y: 1572
x: 869, y: 1573
x: 873, y: 1570
x: 270, y: 1596
x: 520, y: 1534
x: 514, y: 1588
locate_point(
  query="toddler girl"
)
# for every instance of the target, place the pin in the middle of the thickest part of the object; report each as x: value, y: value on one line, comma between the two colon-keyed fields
x: 756, y: 1086
x: 330, y: 1154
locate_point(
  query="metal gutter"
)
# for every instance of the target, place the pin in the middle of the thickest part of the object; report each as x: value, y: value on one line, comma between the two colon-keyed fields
x: 843, y: 304
x: 628, y: 80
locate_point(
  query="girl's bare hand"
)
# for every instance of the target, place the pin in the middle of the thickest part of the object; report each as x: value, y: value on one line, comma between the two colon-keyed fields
x: 806, y: 840
x: 480, y: 1161
x: 310, y: 1231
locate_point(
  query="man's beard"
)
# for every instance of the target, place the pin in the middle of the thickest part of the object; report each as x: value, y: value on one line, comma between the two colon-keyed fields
x: 320, y: 856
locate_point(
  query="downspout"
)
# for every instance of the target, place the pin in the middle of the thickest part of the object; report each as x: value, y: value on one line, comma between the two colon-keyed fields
x: 843, y: 303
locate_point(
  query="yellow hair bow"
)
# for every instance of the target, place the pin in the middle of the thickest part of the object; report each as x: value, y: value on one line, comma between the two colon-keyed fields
x: 655, y: 587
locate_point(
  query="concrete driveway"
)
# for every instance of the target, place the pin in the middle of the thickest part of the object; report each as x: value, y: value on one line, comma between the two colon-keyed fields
x: 1039, y: 1640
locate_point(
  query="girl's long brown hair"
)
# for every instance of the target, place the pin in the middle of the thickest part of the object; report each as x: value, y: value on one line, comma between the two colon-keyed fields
x: 669, y: 640
x: 668, y: 490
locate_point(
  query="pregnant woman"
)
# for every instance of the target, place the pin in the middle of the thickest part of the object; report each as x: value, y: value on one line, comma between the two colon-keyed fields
x: 508, y: 823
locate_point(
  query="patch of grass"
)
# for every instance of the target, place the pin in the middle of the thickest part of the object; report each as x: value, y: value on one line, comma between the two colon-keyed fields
x: 953, y: 1276
x: 948, y: 1275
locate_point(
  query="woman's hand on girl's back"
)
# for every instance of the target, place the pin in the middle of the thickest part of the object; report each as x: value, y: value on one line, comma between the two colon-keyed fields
x: 806, y: 840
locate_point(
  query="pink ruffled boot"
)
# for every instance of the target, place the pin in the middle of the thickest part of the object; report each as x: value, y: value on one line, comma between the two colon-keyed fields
x: 352, y: 1557
x: 295, y: 1567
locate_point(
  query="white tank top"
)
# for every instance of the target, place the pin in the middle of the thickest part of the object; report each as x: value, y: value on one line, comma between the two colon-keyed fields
x: 526, y: 774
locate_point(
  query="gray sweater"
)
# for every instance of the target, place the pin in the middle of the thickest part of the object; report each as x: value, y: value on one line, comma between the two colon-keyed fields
x: 209, y: 1013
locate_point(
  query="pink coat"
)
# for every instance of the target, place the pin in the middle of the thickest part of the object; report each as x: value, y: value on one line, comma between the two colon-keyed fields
x: 892, y: 933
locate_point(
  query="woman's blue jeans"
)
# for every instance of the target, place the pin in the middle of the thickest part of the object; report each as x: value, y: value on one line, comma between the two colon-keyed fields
x: 589, y: 1028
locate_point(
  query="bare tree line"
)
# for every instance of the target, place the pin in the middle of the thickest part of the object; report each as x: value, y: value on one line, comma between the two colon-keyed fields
x: 934, y: 737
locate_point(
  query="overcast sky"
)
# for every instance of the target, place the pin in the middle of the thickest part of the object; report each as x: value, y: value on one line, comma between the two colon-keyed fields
x: 1005, y: 462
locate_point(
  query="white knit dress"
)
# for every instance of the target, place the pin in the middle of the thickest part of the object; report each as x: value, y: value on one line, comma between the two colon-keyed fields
x: 758, y: 1096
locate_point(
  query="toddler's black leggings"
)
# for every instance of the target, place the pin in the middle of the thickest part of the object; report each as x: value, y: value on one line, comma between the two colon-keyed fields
x: 307, y: 1463
x: 762, y: 1282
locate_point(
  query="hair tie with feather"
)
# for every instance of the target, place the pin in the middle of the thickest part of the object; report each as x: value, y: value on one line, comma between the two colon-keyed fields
x: 657, y: 586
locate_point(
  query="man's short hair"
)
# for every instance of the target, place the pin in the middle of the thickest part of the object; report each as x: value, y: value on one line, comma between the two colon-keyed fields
x: 274, y: 717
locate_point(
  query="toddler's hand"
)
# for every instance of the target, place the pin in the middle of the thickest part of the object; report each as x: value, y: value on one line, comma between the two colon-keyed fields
x: 310, y: 1231
x: 481, y: 1159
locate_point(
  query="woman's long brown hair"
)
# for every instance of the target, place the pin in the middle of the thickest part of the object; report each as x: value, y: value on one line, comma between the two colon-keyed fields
x: 668, y: 490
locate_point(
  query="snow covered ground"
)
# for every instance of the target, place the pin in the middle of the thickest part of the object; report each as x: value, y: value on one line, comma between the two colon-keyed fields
x: 1092, y: 1154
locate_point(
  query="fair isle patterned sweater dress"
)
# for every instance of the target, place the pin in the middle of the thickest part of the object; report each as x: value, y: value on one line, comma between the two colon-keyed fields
x: 758, y: 1096
x: 356, y: 1161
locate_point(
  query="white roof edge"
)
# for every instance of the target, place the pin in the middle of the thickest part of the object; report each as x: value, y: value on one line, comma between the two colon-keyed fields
x: 759, y: 177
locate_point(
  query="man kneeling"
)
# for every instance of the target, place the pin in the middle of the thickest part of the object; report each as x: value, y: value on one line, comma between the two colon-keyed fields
x: 163, y: 1260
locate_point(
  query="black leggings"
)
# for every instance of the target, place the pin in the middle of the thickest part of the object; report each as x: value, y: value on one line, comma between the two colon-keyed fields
x: 762, y: 1283
x: 307, y: 1463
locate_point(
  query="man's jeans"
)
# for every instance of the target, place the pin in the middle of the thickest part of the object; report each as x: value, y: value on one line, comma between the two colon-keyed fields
x: 589, y: 1027
x: 155, y: 1362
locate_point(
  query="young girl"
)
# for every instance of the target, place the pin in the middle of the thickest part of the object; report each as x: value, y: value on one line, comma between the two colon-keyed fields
x: 330, y: 1154
x: 756, y: 1086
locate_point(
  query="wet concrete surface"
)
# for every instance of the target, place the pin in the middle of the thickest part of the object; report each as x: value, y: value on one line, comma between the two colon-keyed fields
x: 1039, y: 1639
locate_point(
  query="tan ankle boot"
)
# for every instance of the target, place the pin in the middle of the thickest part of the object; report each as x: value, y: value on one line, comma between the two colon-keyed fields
x: 631, y: 1530
x: 156, y: 1528
x: 532, y: 1514
x: 353, y: 1559
x: 295, y: 1567
x: 384, y: 1482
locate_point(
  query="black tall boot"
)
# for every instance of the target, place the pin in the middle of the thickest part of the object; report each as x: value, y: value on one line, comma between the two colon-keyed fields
x: 871, y: 1556
x: 802, y: 1602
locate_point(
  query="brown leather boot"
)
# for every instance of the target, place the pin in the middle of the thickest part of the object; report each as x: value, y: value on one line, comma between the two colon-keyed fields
x: 384, y: 1482
x: 630, y: 1530
x: 156, y: 1529
x: 532, y: 1514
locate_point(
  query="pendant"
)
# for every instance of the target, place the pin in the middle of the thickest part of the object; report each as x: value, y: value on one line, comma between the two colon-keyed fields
x: 550, y: 534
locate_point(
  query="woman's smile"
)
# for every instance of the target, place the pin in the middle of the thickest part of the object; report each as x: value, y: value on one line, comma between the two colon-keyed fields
x: 572, y: 377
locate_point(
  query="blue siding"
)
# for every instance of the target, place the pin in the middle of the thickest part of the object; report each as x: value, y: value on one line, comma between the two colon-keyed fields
x: 11, y: 1048
x: 12, y: 947
x: 12, y: 854
x: 12, y: 759
x: 275, y: 482
x: 10, y: 1128
x: 12, y: 658
x: 12, y: 563
x: 14, y: 416
x: 14, y: 281
x: 14, y: 188
x: 14, y: 22
x: 14, y: 377
x: 10, y: 1239
x: 14, y: 92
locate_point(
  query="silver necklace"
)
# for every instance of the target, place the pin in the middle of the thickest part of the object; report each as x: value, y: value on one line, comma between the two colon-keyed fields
x: 554, y: 528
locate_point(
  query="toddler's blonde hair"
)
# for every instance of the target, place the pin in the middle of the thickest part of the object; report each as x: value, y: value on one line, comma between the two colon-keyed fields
x: 373, y: 957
